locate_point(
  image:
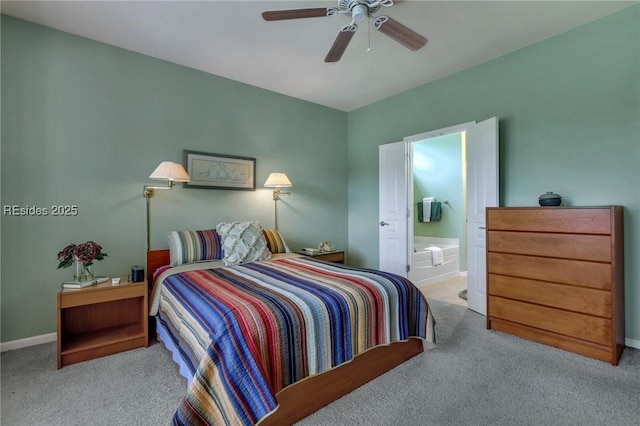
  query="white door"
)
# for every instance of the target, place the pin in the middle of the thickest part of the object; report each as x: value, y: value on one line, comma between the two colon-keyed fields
x: 482, y: 192
x: 392, y: 217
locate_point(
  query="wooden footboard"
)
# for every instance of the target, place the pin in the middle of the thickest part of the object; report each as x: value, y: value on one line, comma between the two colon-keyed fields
x: 309, y: 395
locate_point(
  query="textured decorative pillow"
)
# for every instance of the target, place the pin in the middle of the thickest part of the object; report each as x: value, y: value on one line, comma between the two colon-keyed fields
x: 194, y: 246
x: 242, y: 242
x: 275, y: 242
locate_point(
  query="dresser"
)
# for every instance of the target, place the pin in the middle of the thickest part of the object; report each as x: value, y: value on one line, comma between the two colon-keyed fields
x: 556, y: 276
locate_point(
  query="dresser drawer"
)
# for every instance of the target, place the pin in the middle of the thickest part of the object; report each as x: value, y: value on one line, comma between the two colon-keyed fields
x: 565, y: 271
x: 569, y: 246
x: 581, y: 221
x: 101, y: 293
x: 573, y: 324
x: 572, y: 298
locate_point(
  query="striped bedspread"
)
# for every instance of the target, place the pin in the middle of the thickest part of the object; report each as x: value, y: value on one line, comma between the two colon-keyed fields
x: 248, y: 331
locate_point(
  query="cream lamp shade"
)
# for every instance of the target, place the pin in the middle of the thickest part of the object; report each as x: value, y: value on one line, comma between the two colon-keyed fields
x: 171, y: 172
x: 277, y: 180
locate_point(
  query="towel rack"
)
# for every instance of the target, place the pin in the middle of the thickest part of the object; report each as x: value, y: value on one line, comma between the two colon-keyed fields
x: 443, y: 202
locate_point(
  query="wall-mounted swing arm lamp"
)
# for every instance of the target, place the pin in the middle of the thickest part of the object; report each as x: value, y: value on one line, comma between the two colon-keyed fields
x: 167, y: 171
x: 277, y: 180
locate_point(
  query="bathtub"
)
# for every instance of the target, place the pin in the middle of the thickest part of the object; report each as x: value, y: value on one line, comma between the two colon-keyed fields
x: 423, y: 271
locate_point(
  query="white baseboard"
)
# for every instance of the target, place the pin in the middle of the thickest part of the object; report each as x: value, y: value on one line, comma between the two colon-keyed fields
x: 29, y: 341
x: 632, y: 343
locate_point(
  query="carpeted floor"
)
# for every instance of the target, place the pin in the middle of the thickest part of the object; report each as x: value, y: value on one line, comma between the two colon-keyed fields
x: 471, y: 377
x: 478, y: 377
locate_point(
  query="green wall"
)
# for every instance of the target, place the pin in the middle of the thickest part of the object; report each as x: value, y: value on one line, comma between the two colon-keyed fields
x: 569, y: 111
x: 84, y: 123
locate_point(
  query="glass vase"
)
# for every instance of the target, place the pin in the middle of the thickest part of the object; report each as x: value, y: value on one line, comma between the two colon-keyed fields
x: 83, y: 272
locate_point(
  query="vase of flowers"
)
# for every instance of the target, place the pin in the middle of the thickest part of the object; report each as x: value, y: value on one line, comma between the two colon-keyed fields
x: 82, y: 255
x: 83, y: 272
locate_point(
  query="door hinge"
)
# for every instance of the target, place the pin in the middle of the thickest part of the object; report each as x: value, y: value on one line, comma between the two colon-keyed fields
x: 408, y: 268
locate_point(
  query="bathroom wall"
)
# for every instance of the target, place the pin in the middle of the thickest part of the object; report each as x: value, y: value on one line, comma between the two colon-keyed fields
x: 438, y: 172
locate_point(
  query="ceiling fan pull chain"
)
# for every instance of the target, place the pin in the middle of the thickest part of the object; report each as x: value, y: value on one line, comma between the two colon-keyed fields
x: 369, y: 35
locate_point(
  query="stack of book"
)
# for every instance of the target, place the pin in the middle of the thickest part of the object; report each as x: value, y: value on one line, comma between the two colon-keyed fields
x: 83, y: 284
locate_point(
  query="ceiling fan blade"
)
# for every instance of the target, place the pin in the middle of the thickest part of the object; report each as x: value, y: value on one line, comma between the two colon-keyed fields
x: 341, y: 42
x: 279, y: 15
x: 400, y: 33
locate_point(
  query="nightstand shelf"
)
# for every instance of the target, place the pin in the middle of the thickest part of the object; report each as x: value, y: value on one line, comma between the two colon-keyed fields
x: 106, y: 336
x: 101, y: 320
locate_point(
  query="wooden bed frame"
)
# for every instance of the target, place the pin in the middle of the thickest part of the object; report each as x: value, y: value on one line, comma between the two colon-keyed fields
x: 300, y: 399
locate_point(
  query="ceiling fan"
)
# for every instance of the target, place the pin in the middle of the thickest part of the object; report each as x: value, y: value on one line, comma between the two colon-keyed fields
x: 358, y: 10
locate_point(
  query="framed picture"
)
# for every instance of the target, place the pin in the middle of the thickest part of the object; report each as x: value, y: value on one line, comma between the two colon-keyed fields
x: 217, y: 171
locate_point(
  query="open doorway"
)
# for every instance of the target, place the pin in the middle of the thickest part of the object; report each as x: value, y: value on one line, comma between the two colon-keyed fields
x: 437, y: 187
x: 396, y: 212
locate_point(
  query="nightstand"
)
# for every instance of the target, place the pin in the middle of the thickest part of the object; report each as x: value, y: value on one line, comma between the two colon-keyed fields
x: 101, y: 320
x: 334, y: 256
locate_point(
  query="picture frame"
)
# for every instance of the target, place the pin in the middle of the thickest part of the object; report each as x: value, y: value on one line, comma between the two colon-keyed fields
x: 219, y: 171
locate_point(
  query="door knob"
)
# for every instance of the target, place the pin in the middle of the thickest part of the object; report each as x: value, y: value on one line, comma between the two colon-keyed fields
x: 383, y: 223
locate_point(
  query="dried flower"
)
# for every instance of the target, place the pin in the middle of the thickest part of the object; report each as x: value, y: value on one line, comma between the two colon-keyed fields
x: 85, y: 253
x: 64, y: 257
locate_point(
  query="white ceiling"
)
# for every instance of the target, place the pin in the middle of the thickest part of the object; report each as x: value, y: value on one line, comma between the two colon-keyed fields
x: 230, y: 39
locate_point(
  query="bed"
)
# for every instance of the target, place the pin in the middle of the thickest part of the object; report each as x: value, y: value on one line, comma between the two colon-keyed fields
x: 271, y: 341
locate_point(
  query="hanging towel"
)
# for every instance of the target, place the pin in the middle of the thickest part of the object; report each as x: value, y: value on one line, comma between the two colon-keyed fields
x: 420, y: 211
x: 436, y: 211
x: 437, y: 255
x: 426, y: 208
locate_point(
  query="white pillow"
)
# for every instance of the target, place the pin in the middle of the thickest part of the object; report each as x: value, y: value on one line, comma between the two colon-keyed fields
x: 242, y: 242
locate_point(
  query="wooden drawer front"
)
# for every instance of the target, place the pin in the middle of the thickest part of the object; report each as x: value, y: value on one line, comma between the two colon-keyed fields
x: 600, y: 352
x: 572, y: 298
x: 577, y: 272
x: 582, y: 221
x: 569, y: 246
x: 80, y: 297
x: 331, y: 257
x: 581, y: 326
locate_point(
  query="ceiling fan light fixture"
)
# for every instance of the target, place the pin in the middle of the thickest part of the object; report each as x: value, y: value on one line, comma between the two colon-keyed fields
x: 359, y: 12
